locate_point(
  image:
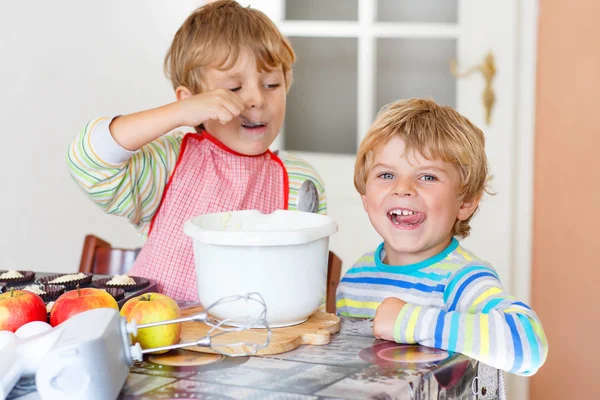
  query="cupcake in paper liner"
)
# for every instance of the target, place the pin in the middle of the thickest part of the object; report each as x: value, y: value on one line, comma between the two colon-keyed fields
x: 45, y: 291
x: 13, y: 277
x: 69, y: 281
x: 53, y: 292
x: 118, y: 294
x: 125, y: 282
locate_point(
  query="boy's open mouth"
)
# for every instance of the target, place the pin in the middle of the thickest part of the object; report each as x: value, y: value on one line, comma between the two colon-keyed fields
x: 249, y: 124
x: 404, y: 217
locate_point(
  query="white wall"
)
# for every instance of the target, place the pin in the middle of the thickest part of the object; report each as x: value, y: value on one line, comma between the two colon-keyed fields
x: 63, y: 63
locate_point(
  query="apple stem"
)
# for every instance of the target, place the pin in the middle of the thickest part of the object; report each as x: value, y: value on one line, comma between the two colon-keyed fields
x: 78, y: 292
x: 11, y: 291
x: 146, y: 298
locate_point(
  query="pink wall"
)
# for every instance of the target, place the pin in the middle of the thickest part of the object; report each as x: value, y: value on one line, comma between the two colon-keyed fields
x: 566, y: 262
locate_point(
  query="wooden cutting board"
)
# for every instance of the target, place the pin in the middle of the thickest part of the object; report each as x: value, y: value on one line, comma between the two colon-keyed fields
x: 316, y: 331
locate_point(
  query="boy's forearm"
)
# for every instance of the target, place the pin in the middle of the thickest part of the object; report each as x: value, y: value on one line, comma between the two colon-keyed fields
x: 513, y: 342
x: 133, y: 131
x: 129, y: 187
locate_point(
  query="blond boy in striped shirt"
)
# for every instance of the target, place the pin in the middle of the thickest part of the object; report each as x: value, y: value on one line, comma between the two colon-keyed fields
x: 231, y: 69
x: 421, y: 171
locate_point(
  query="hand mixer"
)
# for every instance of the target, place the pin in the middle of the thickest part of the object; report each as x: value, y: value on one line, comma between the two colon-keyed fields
x: 89, y: 355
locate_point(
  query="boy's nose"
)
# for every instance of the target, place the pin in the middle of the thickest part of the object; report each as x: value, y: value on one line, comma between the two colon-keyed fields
x: 254, y: 98
x: 404, y: 188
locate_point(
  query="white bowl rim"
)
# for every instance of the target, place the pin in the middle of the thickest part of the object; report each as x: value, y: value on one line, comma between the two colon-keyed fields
x: 326, y: 228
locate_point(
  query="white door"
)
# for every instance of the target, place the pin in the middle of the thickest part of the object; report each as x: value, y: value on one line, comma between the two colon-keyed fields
x: 356, y: 55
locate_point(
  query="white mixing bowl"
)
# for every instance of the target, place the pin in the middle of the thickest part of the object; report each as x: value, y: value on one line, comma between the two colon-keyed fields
x: 282, y: 255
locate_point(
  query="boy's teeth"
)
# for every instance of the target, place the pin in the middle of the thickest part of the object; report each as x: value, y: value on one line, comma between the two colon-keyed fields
x: 402, y: 212
x: 252, y: 124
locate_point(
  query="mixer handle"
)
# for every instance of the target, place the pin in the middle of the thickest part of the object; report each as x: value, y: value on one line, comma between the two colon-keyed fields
x: 11, y: 370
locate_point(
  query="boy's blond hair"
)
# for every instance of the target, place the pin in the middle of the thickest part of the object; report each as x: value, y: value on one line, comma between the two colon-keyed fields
x: 435, y: 132
x: 215, y: 34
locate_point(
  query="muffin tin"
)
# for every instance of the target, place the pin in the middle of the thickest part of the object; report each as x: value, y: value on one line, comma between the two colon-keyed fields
x: 121, y: 294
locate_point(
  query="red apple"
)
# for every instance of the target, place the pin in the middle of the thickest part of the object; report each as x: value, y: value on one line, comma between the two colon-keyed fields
x: 19, y: 307
x: 79, y: 300
x: 153, y: 307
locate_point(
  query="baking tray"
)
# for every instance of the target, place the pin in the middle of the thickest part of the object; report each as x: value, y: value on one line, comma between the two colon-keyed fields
x: 151, y: 287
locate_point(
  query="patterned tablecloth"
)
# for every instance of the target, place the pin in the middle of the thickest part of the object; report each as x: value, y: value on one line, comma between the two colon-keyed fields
x: 354, y: 365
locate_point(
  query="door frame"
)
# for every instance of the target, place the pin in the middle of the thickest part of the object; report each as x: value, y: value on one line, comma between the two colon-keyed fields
x: 525, y: 106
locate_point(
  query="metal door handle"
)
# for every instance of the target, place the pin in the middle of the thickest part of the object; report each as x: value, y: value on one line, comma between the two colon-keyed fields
x: 488, y: 70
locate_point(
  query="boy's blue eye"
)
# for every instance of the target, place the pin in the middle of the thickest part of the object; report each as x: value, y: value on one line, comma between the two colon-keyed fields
x: 235, y: 89
x: 386, y: 175
x: 428, y: 178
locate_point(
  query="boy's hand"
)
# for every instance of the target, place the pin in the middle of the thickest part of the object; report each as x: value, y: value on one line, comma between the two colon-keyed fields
x: 385, y: 318
x: 219, y: 104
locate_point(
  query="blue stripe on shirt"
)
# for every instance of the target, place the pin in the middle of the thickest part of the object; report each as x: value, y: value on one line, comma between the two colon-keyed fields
x: 517, y: 343
x: 464, y: 286
x: 398, y: 271
x: 439, y: 329
x: 491, y: 304
x: 392, y: 282
x: 453, y: 332
x: 458, y: 277
x: 519, y: 303
x: 533, y: 344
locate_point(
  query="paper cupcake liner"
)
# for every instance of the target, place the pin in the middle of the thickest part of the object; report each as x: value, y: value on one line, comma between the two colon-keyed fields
x: 28, y: 276
x: 118, y: 294
x: 52, y: 291
x: 2, y: 287
x: 83, y: 282
x: 139, y: 284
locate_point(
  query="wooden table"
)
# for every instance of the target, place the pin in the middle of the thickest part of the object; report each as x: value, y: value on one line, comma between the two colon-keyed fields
x: 354, y: 365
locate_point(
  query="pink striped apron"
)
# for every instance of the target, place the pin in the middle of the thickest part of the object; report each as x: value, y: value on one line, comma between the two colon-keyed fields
x: 208, y: 178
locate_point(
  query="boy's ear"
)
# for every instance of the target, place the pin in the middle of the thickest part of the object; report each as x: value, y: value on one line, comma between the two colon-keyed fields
x: 182, y: 93
x: 468, y: 207
x: 364, y: 201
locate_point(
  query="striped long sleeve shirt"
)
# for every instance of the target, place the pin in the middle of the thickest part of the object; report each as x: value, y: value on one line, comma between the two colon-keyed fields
x: 132, y: 184
x: 455, y: 302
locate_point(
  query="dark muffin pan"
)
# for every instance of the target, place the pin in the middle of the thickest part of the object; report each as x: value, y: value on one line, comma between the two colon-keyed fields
x: 120, y: 295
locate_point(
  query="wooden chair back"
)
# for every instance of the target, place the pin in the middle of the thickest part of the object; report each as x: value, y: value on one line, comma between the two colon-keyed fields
x: 334, y: 274
x: 99, y: 257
